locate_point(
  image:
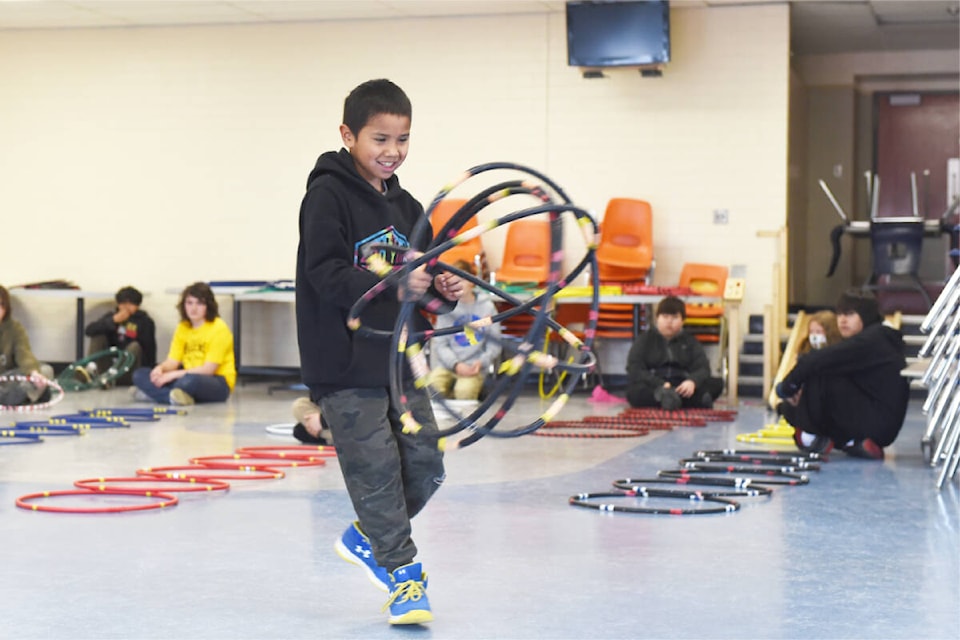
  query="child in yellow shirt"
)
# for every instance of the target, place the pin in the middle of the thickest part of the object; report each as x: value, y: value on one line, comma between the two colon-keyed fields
x: 200, y: 365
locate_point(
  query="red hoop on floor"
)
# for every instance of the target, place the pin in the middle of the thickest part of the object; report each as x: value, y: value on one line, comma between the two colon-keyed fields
x: 238, y: 461
x: 304, y: 452
x: 108, y: 485
x: 165, y: 500
x: 563, y: 429
x: 202, y: 472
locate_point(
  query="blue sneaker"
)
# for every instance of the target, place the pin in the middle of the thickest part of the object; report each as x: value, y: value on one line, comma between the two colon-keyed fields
x: 408, y: 596
x: 354, y: 547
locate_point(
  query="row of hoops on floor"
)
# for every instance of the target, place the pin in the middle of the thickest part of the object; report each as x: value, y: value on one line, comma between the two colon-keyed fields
x: 709, y: 482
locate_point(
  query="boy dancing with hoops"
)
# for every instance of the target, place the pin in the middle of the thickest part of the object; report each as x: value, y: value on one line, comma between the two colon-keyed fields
x: 354, y: 199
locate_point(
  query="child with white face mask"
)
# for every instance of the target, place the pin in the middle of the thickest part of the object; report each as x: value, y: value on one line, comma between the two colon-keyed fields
x: 822, y: 331
x: 849, y: 394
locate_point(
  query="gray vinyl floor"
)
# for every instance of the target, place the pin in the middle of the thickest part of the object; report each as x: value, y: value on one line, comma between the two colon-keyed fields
x: 865, y: 550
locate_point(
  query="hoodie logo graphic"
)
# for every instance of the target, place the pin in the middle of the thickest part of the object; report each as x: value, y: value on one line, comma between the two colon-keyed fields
x: 385, y: 236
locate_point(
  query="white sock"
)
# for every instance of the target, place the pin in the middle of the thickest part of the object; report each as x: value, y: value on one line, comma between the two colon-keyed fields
x: 851, y: 443
x: 807, y: 438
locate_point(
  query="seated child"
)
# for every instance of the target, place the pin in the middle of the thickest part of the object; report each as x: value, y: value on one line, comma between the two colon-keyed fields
x: 849, y: 394
x: 461, y: 360
x: 667, y: 367
x: 128, y: 327
x: 822, y: 331
x: 200, y: 365
x: 16, y: 356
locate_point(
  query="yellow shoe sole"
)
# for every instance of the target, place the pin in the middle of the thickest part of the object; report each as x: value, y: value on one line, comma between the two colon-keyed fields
x: 417, y: 616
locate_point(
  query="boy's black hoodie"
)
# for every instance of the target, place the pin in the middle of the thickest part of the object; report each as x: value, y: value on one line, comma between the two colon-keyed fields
x: 872, y: 361
x: 340, y: 213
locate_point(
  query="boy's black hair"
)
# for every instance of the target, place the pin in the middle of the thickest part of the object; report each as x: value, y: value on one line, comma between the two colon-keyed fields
x: 129, y: 294
x: 372, y: 98
x: 202, y: 292
x: 672, y: 306
x: 862, y: 303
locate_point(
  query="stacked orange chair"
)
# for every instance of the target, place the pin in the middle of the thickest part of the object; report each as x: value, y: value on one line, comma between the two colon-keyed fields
x: 624, y: 255
x: 704, y: 320
x: 526, y: 260
x: 625, y: 249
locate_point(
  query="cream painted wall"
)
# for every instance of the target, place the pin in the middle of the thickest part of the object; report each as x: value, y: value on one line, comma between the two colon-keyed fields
x: 160, y: 156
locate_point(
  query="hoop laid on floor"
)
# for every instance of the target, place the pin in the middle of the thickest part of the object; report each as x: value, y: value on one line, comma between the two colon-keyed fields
x: 767, y: 477
x: 759, y: 457
x: 282, y: 429
x: 43, y: 429
x: 699, y: 464
x: 201, y: 472
x: 9, y: 437
x: 294, y: 452
x: 97, y: 371
x: 255, y: 463
x: 123, y: 412
x: 150, y: 485
x: 56, y: 394
x: 563, y: 429
x: 725, y: 504
x: 748, y: 491
x: 159, y: 501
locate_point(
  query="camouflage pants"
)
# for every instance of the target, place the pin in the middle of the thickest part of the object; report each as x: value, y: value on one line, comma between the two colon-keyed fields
x: 389, y: 475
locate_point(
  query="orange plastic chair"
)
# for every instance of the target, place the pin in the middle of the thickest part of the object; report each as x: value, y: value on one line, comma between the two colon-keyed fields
x: 526, y: 252
x: 625, y: 250
x: 471, y: 251
x: 704, y: 319
x: 704, y: 280
x: 616, y: 321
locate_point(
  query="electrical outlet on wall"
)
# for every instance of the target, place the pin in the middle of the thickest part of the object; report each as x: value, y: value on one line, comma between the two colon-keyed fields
x: 721, y: 216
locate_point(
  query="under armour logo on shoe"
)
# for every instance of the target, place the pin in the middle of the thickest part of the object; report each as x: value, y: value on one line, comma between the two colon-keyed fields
x: 363, y: 552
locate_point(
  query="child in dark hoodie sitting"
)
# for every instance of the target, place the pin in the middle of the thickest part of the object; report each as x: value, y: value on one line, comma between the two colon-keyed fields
x: 850, y: 394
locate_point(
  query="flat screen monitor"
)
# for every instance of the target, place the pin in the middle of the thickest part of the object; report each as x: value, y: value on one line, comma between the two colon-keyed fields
x: 618, y: 34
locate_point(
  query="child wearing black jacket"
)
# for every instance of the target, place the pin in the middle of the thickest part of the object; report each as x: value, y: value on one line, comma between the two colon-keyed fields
x: 127, y: 327
x: 354, y: 199
x: 850, y: 394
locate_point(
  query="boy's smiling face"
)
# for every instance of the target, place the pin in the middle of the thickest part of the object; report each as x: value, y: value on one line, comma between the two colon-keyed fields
x: 379, y: 148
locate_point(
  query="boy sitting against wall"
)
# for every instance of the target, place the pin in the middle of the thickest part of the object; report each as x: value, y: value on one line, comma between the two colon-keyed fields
x: 667, y: 367
x: 127, y: 327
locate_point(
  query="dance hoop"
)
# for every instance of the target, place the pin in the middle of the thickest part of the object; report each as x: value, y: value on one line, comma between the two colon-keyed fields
x: 407, y: 341
x: 632, y: 484
x: 294, y: 452
x: 255, y: 463
x: 120, y: 421
x: 202, y: 472
x: 12, y: 437
x: 151, y: 485
x: 158, y: 501
x: 43, y: 429
x: 97, y: 371
x: 800, y: 461
x: 565, y: 429
x: 75, y: 424
x: 725, y: 504
x: 282, y: 429
x: 56, y: 395
x: 699, y: 464
x: 124, y: 412
x: 767, y: 477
